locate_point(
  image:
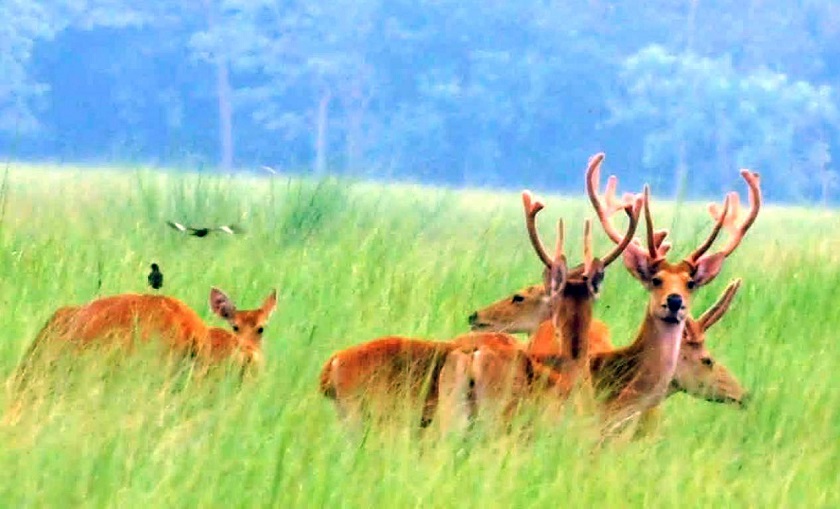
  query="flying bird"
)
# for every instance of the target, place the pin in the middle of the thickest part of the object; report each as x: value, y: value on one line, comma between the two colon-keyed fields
x: 155, y: 277
x: 203, y: 232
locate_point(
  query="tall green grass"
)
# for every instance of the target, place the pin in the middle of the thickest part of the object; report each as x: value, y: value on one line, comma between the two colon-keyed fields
x: 353, y: 261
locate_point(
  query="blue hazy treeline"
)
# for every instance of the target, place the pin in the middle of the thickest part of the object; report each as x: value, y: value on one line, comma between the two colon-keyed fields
x: 464, y: 92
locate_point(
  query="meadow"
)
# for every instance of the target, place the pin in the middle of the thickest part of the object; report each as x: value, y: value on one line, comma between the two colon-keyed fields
x: 353, y: 261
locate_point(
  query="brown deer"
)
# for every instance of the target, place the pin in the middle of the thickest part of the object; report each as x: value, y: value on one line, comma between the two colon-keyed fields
x: 697, y: 373
x: 637, y: 377
x: 528, y: 311
x: 119, y: 319
x: 374, y: 380
x: 376, y: 375
x: 485, y: 377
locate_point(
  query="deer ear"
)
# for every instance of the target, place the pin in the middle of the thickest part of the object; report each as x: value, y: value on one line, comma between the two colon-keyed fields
x: 269, y: 304
x: 638, y: 264
x: 221, y: 304
x: 707, y: 268
x: 557, y: 277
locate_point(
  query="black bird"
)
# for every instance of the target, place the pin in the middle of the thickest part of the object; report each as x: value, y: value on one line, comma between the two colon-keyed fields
x: 155, y: 277
x: 203, y: 232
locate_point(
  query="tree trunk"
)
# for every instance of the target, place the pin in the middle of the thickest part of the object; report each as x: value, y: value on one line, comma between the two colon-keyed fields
x: 356, y: 105
x: 223, y: 95
x: 225, y: 115
x: 321, y: 133
x: 680, y: 172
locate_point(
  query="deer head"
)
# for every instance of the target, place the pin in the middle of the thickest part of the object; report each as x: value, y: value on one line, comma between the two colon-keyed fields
x: 585, y: 279
x: 671, y: 285
x: 247, y: 326
x: 523, y: 311
x: 697, y: 372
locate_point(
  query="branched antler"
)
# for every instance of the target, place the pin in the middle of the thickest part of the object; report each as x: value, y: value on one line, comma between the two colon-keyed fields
x: 605, y: 208
x: 726, y: 218
x: 730, y: 220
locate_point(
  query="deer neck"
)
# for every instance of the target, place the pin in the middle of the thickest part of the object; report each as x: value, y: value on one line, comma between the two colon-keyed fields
x: 571, y: 325
x: 657, y: 347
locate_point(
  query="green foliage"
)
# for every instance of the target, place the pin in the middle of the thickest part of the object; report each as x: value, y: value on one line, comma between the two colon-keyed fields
x: 690, y: 104
x: 375, y: 260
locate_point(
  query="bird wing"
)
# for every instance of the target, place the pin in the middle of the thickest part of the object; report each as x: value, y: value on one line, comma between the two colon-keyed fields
x: 177, y: 226
x: 231, y: 229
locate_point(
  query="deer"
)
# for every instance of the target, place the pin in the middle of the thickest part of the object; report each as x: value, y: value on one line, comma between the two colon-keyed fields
x: 118, y: 319
x: 488, y: 377
x: 373, y: 380
x: 632, y: 380
x: 636, y: 378
x: 697, y: 373
x: 527, y: 311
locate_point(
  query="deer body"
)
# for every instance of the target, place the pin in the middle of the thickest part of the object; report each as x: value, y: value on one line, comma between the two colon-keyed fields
x: 571, y: 294
x: 119, y: 320
x: 373, y: 380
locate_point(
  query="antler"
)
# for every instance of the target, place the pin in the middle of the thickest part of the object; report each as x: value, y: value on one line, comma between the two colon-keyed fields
x: 627, y: 242
x: 532, y: 208
x: 588, y: 258
x: 558, y: 266
x: 720, y: 307
x: 607, y: 207
x: 610, y: 204
x: 719, y: 218
x: 737, y: 231
x: 726, y: 217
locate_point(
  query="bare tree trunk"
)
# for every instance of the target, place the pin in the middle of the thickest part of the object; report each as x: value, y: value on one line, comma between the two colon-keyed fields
x: 321, y: 133
x: 223, y: 95
x: 225, y: 114
x: 681, y: 171
x: 356, y: 107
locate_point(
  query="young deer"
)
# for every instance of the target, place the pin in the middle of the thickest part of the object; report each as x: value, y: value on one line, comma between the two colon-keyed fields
x: 120, y: 318
x: 636, y: 378
x: 485, y: 377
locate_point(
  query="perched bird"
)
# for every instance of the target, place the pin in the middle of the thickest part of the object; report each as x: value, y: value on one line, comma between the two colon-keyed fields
x: 203, y: 232
x: 156, y: 277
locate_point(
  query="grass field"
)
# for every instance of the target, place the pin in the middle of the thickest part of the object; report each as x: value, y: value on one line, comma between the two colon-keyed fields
x: 355, y: 261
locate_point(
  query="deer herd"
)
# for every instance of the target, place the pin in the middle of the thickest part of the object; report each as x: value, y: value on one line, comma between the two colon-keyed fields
x: 487, y: 373
x: 569, y: 357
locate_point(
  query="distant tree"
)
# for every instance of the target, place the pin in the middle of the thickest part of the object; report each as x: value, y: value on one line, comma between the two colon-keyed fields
x: 725, y: 118
x: 24, y: 23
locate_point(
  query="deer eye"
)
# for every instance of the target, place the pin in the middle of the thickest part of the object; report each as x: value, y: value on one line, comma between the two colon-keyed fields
x: 518, y: 298
x: 707, y: 361
x: 656, y: 281
x: 691, y: 284
x: 235, y: 328
x: 259, y: 330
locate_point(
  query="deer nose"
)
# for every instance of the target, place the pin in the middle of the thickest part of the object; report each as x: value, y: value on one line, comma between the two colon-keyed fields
x: 473, y: 318
x: 674, y: 302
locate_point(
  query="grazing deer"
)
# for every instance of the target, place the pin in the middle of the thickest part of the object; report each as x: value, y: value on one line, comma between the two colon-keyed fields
x: 121, y: 318
x: 488, y: 377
